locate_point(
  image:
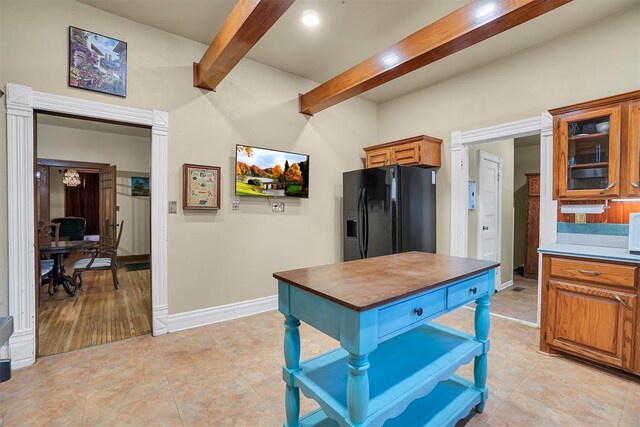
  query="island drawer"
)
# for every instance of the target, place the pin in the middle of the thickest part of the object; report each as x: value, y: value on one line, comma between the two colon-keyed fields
x: 467, y: 291
x: 594, y: 272
x: 408, y: 312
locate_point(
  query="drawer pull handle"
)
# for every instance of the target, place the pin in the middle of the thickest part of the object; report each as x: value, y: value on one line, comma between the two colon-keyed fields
x: 636, y: 186
x: 473, y: 290
x: 418, y: 311
x: 623, y: 302
x: 609, y: 187
x: 589, y: 273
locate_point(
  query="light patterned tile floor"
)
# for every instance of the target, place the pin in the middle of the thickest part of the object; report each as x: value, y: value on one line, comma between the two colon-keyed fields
x: 229, y: 374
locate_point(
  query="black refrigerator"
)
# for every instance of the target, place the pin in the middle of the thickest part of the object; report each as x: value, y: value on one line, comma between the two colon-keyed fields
x: 388, y: 210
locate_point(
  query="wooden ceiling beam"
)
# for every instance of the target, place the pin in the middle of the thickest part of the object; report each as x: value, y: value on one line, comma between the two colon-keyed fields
x: 471, y: 24
x: 248, y: 21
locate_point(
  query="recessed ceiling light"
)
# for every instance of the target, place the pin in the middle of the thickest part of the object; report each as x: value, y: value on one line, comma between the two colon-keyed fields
x: 310, y: 18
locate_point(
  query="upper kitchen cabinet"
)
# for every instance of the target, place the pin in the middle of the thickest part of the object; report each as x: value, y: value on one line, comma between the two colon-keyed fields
x: 631, y: 175
x: 590, y: 140
x: 419, y: 150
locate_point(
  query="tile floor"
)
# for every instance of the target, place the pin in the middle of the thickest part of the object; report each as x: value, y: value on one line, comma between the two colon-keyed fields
x: 518, y: 305
x: 228, y: 374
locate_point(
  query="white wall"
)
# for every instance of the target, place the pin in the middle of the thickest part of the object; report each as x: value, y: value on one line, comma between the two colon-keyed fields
x: 131, y: 156
x: 596, y: 61
x: 504, y: 150
x: 226, y: 256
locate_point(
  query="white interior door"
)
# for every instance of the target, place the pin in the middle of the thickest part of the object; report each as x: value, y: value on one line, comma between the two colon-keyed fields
x: 489, y: 196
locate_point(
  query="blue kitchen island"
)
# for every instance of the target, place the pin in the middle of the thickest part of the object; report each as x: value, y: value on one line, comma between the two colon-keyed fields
x: 393, y: 367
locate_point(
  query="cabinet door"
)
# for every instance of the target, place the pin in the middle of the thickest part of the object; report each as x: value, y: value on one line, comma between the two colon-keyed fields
x: 633, y: 153
x: 406, y: 154
x: 592, y: 322
x: 587, y: 154
x: 379, y: 157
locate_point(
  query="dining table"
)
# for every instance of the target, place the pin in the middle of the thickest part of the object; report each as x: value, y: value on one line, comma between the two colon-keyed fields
x: 57, y: 250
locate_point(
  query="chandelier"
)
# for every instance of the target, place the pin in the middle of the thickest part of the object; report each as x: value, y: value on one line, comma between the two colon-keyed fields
x: 71, y: 178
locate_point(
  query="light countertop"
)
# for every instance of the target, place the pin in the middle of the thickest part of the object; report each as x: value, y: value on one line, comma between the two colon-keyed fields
x: 596, y: 252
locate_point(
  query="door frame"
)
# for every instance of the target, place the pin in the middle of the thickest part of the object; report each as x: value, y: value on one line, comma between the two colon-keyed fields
x: 484, y: 155
x: 21, y: 101
x: 461, y: 141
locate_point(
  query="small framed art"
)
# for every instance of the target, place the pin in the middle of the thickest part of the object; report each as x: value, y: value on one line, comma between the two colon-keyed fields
x: 201, y: 187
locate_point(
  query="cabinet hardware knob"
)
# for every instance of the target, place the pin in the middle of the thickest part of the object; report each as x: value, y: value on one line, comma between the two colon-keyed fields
x: 609, y: 187
x: 418, y: 311
x: 473, y: 290
x: 636, y: 186
x: 623, y: 302
x: 589, y: 273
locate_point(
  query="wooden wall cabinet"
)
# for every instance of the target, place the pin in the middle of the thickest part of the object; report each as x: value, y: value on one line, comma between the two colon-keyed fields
x: 595, y: 151
x: 420, y: 150
x: 589, y: 309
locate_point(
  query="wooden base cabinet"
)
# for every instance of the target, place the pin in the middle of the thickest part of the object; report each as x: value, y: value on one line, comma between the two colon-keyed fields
x: 590, y: 310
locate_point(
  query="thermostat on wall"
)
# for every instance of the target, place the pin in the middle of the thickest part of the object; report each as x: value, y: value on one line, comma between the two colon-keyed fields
x: 472, y: 195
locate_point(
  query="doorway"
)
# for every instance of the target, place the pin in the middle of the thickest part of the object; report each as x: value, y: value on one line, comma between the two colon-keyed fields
x: 84, y: 187
x: 462, y: 145
x: 21, y: 102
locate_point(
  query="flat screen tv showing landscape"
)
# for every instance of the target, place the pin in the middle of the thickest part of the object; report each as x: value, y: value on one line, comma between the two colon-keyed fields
x: 263, y: 172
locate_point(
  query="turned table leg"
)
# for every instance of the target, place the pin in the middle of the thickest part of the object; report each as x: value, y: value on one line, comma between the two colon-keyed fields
x: 358, y: 388
x: 292, y: 362
x: 480, y: 364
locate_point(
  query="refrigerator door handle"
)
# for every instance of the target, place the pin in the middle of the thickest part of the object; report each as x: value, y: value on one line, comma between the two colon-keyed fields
x: 360, y: 220
x: 365, y: 211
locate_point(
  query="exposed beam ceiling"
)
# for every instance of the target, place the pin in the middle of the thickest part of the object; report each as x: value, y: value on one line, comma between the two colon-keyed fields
x: 248, y: 21
x: 471, y: 24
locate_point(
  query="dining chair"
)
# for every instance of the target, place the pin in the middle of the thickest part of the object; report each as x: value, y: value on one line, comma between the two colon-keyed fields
x: 103, y: 257
x: 48, y: 233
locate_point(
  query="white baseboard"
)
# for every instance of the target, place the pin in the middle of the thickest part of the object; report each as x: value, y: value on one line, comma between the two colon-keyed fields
x: 208, y: 316
x: 504, y: 286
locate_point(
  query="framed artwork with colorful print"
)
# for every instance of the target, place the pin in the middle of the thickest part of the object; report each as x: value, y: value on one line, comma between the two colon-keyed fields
x: 201, y: 187
x: 97, y: 62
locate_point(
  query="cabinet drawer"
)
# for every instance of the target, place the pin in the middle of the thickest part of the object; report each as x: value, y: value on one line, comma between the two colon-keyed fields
x: 594, y: 272
x: 408, y: 312
x: 466, y: 291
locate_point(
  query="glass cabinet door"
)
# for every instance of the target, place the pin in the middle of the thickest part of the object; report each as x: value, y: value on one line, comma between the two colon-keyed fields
x: 589, y: 151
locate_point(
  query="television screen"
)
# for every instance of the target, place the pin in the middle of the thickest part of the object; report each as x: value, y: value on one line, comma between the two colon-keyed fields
x: 271, y: 173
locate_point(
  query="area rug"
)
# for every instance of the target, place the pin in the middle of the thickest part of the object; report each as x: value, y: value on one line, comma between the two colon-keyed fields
x: 136, y: 266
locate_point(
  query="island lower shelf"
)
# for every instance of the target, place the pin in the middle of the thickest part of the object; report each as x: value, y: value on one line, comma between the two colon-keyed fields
x: 450, y: 401
x: 410, y: 366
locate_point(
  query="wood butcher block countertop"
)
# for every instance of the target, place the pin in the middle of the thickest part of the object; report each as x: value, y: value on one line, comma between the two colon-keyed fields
x: 368, y: 283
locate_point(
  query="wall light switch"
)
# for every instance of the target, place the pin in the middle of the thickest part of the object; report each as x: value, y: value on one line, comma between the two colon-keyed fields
x: 173, y: 207
x: 235, y: 205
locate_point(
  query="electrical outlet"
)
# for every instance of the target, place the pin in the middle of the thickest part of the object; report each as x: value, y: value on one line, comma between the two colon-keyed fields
x: 581, y: 218
x: 173, y: 207
x: 277, y: 207
x: 235, y: 205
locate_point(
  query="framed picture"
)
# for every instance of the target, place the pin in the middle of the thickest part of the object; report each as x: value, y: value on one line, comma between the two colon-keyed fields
x: 201, y: 187
x: 97, y: 62
x: 140, y: 186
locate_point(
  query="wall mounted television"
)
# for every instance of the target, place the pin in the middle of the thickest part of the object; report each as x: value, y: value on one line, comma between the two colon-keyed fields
x: 263, y: 172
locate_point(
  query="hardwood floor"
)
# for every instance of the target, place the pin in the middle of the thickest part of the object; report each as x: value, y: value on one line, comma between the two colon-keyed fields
x: 98, y: 314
